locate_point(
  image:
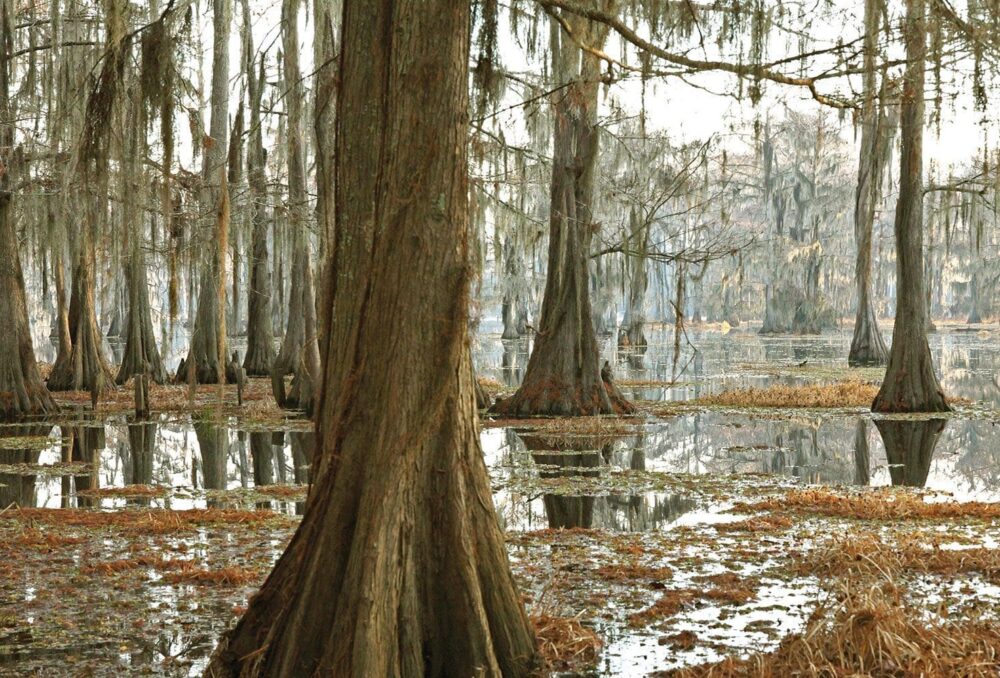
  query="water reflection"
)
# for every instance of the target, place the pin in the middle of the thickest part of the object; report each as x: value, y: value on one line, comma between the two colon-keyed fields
x: 909, y: 448
x: 968, y: 362
x: 587, y: 456
x: 18, y: 488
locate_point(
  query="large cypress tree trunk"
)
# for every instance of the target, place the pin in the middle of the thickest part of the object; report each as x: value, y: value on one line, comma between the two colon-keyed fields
x: 141, y: 354
x: 910, y: 384
x: 22, y: 391
x: 260, y: 334
x: 299, y: 354
x: 563, y: 376
x: 207, y: 358
x: 399, y: 566
x: 867, y: 346
x: 85, y: 367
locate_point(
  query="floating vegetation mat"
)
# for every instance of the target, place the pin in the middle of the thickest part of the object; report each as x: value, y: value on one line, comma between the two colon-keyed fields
x: 258, y: 411
x: 63, y: 468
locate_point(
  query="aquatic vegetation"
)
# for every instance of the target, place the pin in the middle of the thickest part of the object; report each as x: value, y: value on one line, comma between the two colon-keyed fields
x: 127, y: 491
x: 870, y: 631
x: 565, y: 643
x: 874, y: 504
x: 840, y: 394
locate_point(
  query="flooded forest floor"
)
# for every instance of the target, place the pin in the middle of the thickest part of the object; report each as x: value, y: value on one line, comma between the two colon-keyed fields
x: 754, y: 519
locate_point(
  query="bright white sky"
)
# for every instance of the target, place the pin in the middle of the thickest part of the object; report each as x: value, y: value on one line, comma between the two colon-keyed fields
x: 689, y: 113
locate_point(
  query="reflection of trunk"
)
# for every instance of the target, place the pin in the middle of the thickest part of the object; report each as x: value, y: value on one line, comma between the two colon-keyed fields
x: 867, y: 346
x: 263, y: 458
x: 84, y: 367
x: 910, y: 384
x: 88, y: 441
x: 862, y: 458
x: 566, y: 511
x: 909, y: 447
x: 260, y: 337
x: 397, y: 568
x: 16, y: 488
x: 141, y: 441
x: 141, y: 355
x: 563, y: 375
x: 213, y: 442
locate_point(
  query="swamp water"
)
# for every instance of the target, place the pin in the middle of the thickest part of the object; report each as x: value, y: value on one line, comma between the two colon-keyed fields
x: 646, y: 532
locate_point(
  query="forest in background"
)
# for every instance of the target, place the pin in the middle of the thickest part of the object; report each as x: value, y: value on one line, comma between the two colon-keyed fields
x: 169, y: 172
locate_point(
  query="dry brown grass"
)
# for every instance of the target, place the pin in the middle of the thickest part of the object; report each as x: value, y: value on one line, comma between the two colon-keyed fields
x: 880, y: 504
x: 40, y: 539
x: 849, y: 393
x: 565, y: 643
x: 190, y: 573
x: 610, y: 426
x: 870, y: 632
x: 872, y: 555
x: 126, y: 491
x: 841, y: 394
x: 756, y: 524
x: 626, y: 572
x: 258, y: 399
x: 177, y: 571
x: 149, y: 522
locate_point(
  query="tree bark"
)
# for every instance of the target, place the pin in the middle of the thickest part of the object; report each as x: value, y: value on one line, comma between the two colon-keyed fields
x: 260, y: 333
x: 22, y: 391
x: 867, y: 346
x: 299, y: 354
x: 85, y: 367
x: 141, y: 354
x: 910, y: 384
x: 563, y: 376
x: 207, y: 358
x: 399, y: 565
x: 634, y: 322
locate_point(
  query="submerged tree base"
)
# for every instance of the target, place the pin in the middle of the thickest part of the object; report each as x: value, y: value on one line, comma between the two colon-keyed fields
x: 554, y: 398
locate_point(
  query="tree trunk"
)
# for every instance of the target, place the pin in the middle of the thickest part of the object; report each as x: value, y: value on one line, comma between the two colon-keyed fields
x: 141, y: 355
x: 22, y: 391
x: 399, y: 565
x: 563, y: 376
x: 326, y: 37
x: 84, y: 367
x: 260, y: 333
x: 207, y: 358
x: 867, y: 346
x: 634, y: 321
x: 910, y: 384
x: 299, y: 353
